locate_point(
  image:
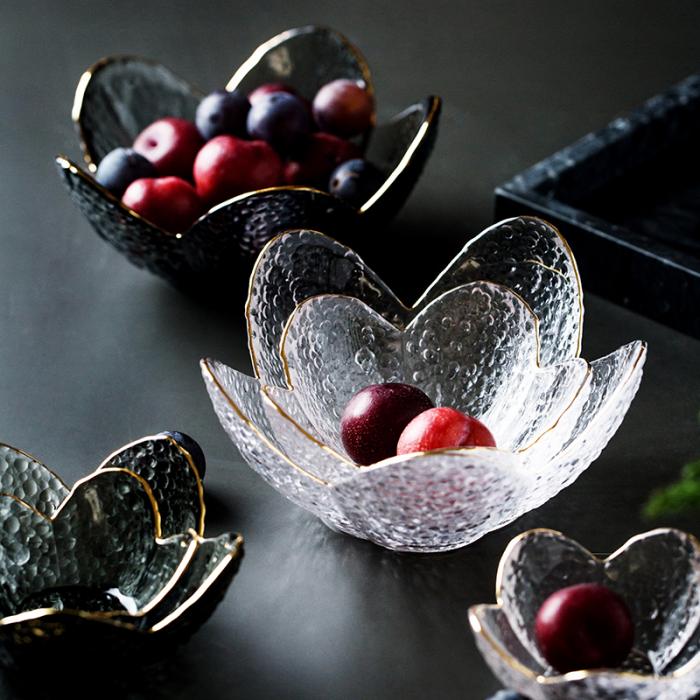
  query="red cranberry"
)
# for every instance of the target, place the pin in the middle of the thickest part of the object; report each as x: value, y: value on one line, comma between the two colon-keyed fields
x: 584, y: 626
x: 227, y: 166
x: 343, y: 107
x: 267, y: 88
x: 171, y: 144
x: 168, y: 202
x: 321, y: 155
x: 374, y: 418
x: 443, y: 427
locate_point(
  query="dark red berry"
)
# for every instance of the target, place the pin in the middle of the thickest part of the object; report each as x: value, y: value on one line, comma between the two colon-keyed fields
x: 374, y: 418
x: 319, y: 158
x: 344, y: 108
x: 267, y: 88
x: 438, y: 428
x: 171, y: 144
x: 168, y: 202
x: 227, y: 166
x: 584, y: 626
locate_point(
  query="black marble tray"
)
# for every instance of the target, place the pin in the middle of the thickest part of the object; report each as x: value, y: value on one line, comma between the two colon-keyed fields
x: 627, y: 198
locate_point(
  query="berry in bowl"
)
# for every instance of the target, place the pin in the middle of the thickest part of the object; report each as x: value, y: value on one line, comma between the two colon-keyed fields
x: 188, y: 184
x: 116, y: 567
x: 568, y: 625
x: 422, y: 428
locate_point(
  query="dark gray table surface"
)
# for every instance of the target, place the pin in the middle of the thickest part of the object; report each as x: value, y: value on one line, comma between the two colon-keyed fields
x: 94, y: 353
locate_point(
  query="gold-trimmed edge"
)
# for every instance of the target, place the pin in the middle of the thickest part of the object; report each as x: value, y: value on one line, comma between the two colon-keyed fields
x: 520, y: 668
x: 274, y: 42
x: 188, y: 458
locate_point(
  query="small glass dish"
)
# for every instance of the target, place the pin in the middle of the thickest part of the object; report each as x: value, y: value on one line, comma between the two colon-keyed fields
x: 115, y: 566
x: 497, y: 336
x: 119, y: 96
x: 657, y: 574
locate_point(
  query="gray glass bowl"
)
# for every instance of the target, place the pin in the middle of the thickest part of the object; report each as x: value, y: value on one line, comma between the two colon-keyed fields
x: 497, y: 335
x: 119, y: 96
x: 657, y: 574
x: 116, y: 565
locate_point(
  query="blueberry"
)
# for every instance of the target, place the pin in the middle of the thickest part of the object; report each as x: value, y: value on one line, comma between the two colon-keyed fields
x: 120, y: 167
x: 355, y: 181
x: 281, y: 119
x: 191, y: 446
x: 507, y: 695
x: 222, y: 112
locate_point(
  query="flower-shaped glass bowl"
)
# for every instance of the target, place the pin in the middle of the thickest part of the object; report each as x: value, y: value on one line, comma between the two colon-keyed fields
x: 656, y: 573
x: 118, y: 562
x: 497, y: 335
x: 119, y: 96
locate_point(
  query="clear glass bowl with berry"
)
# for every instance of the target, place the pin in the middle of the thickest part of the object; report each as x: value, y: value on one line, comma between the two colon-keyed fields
x: 191, y: 186
x: 569, y: 625
x: 115, y: 567
x: 495, y: 412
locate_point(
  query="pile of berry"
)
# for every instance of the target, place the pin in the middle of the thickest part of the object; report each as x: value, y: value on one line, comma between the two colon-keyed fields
x: 177, y: 169
x: 383, y: 420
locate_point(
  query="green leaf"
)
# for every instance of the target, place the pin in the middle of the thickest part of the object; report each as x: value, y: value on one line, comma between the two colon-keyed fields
x: 679, y: 498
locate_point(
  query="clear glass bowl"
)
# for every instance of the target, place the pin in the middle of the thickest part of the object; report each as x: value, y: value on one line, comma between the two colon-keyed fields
x: 116, y: 564
x: 119, y: 96
x: 658, y: 575
x: 497, y: 335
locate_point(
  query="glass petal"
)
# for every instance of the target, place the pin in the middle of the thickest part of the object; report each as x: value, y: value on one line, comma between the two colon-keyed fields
x: 238, y: 404
x: 141, y: 242
x: 658, y: 575
x: 26, y: 478
x: 120, y: 96
x: 105, y: 531
x: 292, y: 268
x: 173, y: 479
x: 530, y: 257
x: 28, y: 559
x: 433, y: 501
x: 305, y: 58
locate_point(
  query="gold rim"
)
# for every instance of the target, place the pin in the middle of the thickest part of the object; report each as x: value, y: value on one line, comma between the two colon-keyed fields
x: 232, y: 555
x: 427, y: 123
x: 205, y: 365
x: 239, y: 75
x: 257, y: 56
x: 478, y: 629
x: 183, y: 452
x: 84, y: 82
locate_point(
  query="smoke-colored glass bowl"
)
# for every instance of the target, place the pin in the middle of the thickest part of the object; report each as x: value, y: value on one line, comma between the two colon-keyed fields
x: 497, y: 335
x: 115, y: 566
x: 657, y: 574
x: 119, y: 96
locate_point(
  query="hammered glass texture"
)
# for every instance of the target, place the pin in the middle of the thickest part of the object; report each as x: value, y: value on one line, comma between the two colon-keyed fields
x: 473, y: 349
x: 122, y: 95
x: 96, y: 562
x: 238, y: 403
x: 524, y: 254
x: 656, y: 573
x: 25, y: 478
x: 433, y: 502
x: 174, y: 481
x: 322, y: 325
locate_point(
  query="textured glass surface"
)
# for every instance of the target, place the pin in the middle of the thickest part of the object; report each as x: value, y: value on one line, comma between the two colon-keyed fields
x: 657, y: 574
x: 118, y: 549
x: 322, y: 325
x: 119, y: 96
x: 172, y: 477
x: 524, y: 254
